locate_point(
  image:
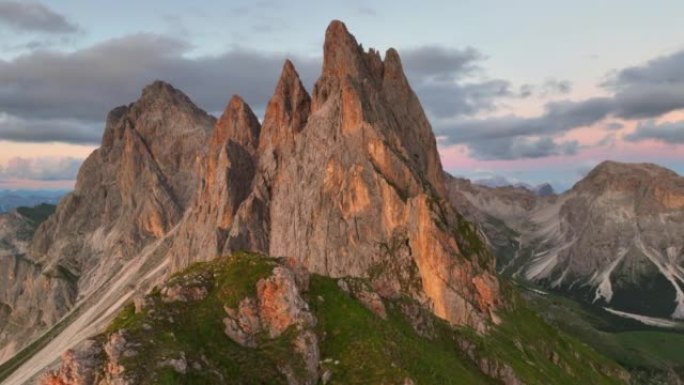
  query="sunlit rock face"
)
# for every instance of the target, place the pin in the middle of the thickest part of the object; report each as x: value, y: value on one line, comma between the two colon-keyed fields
x: 347, y: 181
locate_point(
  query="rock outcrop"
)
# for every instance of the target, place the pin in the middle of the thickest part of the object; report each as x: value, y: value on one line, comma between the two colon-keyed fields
x: 278, y: 307
x: 79, y: 366
x: 616, y: 238
x: 275, y: 319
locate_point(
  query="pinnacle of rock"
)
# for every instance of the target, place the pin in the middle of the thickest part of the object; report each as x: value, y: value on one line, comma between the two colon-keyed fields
x: 342, y: 55
x: 287, y: 111
x: 238, y: 123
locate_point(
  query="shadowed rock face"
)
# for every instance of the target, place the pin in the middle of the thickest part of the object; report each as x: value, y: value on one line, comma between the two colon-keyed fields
x: 616, y: 238
x: 129, y: 193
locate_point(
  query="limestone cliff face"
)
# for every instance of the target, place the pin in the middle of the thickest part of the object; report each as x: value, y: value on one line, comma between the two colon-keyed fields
x: 129, y: 193
x: 348, y: 182
x: 363, y: 194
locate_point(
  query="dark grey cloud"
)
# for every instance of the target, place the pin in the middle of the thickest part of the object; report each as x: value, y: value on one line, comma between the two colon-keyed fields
x: 666, y: 132
x: 49, y: 95
x: 49, y: 130
x: 446, y: 81
x: 512, y: 137
x: 41, y: 168
x: 640, y: 92
x: 449, y: 99
x: 550, y: 87
x: 649, y: 90
x: 440, y: 62
x: 44, y: 92
x: 520, y: 147
x: 34, y: 17
x: 558, y: 118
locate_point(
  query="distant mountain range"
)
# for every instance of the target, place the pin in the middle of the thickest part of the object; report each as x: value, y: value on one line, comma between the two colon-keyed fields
x: 541, y: 189
x: 616, y: 239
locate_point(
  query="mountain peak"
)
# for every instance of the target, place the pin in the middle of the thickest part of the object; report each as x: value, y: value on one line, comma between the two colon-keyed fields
x: 609, y: 170
x: 160, y: 93
x: 288, y: 110
x: 341, y: 53
x: 288, y: 71
x: 237, y: 123
x: 158, y: 87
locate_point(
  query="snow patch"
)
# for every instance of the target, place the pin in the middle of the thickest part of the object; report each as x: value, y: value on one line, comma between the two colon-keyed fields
x: 605, y: 288
x: 646, y: 320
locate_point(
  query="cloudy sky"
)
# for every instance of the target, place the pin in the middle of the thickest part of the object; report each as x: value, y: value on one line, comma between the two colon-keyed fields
x: 529, y: 90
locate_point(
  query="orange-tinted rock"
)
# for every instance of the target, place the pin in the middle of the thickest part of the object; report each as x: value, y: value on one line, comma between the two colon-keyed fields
x: 79, y: 366
x: 280, y: 305
x: 277, y: 307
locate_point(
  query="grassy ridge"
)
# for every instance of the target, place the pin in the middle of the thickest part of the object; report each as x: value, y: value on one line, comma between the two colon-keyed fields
x: 357, y: 346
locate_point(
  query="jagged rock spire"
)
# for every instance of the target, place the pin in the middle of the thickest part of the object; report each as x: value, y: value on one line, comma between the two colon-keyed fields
x: 238, y: 123
x: 342, y: 55
x: 287, y: 111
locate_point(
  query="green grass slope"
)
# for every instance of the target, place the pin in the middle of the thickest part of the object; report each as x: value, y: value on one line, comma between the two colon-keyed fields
x: 357, y: 346
x: 651, y: 354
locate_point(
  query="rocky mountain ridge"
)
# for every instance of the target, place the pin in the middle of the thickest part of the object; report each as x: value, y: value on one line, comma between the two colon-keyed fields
x: 348, y: 182
x: 615, y: 238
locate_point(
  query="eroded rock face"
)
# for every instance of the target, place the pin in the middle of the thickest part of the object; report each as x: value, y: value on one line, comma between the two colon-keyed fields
x: 94, y: 363
x: 226, y: 174
x: 15, y: 269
